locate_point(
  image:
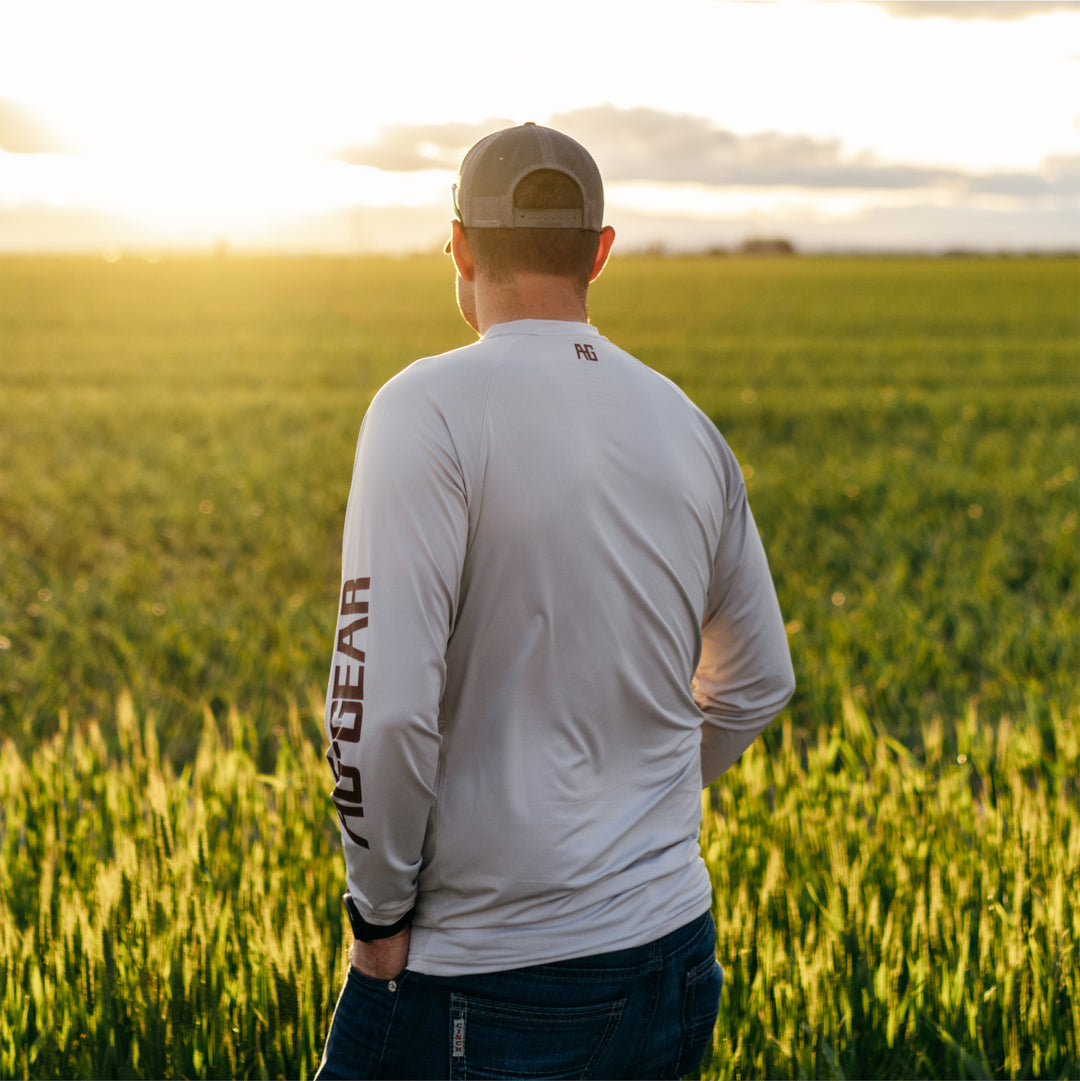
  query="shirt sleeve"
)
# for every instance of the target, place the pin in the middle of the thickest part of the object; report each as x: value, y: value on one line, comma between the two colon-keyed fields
x: 744, y: 676
x: 404, y: 541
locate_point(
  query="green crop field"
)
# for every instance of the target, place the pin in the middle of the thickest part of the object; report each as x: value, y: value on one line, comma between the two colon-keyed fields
x: 896, y: 862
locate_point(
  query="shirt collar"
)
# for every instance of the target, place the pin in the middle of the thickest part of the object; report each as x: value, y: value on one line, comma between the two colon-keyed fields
x: 539, y: 326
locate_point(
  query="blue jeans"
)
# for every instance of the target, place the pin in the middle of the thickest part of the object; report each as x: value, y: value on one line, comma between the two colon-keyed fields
x: 643, y: 1012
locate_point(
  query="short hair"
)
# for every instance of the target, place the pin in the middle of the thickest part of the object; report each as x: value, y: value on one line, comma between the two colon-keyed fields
x: 566, y: 253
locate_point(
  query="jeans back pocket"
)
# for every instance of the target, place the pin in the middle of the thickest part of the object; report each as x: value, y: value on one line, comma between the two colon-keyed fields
x: 492, y: 1039
x: 701, y: 1004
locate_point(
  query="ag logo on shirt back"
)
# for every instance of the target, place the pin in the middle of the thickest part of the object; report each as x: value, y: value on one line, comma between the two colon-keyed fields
x: 585, y: 352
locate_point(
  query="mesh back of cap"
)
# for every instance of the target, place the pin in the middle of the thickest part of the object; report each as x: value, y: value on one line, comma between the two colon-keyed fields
x: 494, y: 166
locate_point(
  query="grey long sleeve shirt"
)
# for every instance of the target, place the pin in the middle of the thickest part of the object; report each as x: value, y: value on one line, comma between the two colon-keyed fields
x: 556, y: 623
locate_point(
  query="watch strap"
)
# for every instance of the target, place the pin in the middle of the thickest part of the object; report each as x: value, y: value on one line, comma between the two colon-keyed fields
x: 372, y: 932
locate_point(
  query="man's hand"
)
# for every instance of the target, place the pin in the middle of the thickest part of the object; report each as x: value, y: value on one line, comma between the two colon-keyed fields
x: 382, y: 959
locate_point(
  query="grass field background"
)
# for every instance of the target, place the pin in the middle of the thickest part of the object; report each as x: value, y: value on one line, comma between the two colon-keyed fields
x: 897, y: 861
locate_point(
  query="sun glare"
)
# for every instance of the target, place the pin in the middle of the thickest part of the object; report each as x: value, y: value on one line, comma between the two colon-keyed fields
x: 210, y: 117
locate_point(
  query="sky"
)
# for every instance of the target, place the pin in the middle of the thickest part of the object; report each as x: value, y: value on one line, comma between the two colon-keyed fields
x: 338, y: 125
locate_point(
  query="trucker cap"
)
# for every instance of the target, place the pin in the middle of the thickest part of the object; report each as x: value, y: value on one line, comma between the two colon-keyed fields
x: 492, y: 169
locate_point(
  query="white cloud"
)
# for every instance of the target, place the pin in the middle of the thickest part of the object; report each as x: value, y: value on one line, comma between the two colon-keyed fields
x: 649, y: 145
x: 995, y: 10
x: 407, y: 148
x: 23, y: 131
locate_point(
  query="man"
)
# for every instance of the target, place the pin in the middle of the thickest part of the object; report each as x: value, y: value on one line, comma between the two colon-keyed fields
x: 556, y: 625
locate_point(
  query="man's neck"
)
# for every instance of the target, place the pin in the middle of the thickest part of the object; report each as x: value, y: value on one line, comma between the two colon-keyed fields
x: 529, y: 296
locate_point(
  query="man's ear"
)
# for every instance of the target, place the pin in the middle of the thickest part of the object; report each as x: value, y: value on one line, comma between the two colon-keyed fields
x: 607, y: 238
x: 461, y: 250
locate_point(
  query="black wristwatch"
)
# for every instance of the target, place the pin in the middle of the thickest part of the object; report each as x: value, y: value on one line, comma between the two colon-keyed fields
x: 372, y: 932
